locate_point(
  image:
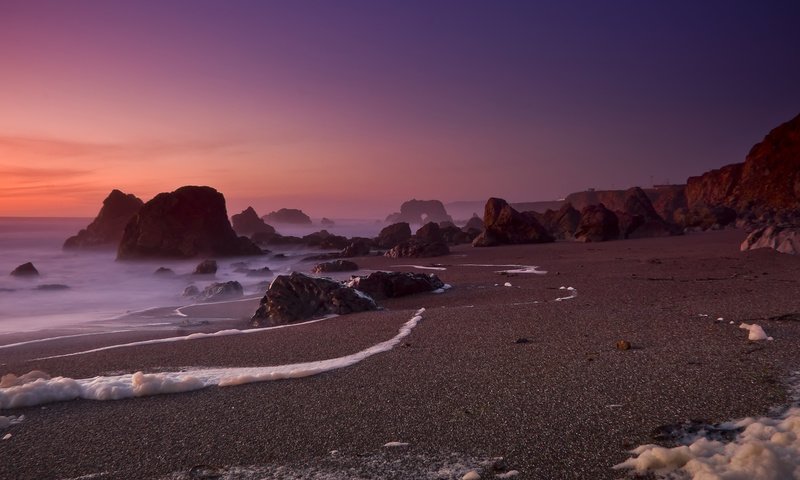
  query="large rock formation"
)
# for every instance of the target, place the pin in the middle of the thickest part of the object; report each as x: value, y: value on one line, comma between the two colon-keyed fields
x: 420, y: 211
x: 783, y: 239
x: 395, y: 284
x: 188, y: 222
x: 288, y: 215
x: 639, y: 219
x: 220, y: 291
x: 666, y: 199
x: 25, y: 270
x: 598, y: 224
x: 295, y: 297
x: 768, y: 180
x: 562, y: 223
x: 393, y: 235
x: 248, y: 222
x: 504, y: 225
x: 107, y: 228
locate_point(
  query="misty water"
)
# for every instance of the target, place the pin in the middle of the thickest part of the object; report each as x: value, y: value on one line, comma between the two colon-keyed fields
x: 101, y: 292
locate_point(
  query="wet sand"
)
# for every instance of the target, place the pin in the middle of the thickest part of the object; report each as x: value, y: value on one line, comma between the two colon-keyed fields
x: 459, y: 389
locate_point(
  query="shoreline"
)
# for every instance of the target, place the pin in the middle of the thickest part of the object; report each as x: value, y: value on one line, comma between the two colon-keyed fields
x: 564, y: 404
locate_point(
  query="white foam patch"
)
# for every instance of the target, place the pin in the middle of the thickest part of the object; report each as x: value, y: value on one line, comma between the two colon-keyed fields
x: 507, y: 284
x: 767, y: 449
x: 6, y: 422
x: 395, y: 444
x: 444, y: 288
x: 193, y: 336
x: 510, y: 269
x: 756, y: 332
x: 572, y: 293
x: 140, y: 384
x: 61, y: 337
x: 423, y: 267
x: 179, y: 311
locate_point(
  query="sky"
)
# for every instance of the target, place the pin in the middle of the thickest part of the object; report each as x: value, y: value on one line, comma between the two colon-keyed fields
x: 346, y: 109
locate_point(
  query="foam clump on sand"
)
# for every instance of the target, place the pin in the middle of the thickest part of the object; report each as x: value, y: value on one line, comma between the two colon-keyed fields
x: 395, y: 444
x: 6, y: 422
x: 38, y: 388
x: 572, y: 293
x: 756, y: 332
x: 767, y: 449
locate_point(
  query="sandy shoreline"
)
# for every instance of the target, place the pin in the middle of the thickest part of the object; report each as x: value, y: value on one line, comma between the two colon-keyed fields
x: 566, y: 404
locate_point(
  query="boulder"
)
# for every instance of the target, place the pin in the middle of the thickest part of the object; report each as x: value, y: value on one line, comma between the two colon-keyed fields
x: 420, y: 211
x: 164, y: 271
x: 324, y: 239
x: 191, y: 291
x: 429, y: 233
x: 639, y: 218
x: 769, y: 178
x: 25, y: 270
x: 327, y: 222
x: 781, y: 238
x: 664, y: 198
x: 296, y: 297
x: 206, y: 267
x: 562, y: 223
x: 335, y: 266
x: 288, y: 215
x: 395, y: 284
x: 358, y: 247
x: 504, y: 225
x: 221, y: 291
x: 249, y: 223
x: 393, y: 234
x: 107, y: 228
x: 598, y: 224
x: 453, y: 235
x: 418, y: 249
x: 189, y: 222
x: 475, y: 223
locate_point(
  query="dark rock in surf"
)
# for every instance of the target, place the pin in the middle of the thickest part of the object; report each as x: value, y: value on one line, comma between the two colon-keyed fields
x: 335, y: 266
x: 107, y: 228
x: 288, y: 216
x: 164, y: 271
x: 25, y: 270
x: 393, y: 235
x: 395, y: 284
x: 418, y: 249
x: 206, y: 267
x: 221, y: 291
x: 249, y: 223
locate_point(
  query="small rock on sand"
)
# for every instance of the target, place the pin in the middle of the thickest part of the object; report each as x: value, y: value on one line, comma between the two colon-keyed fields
x: 471, y: 475
x: 623, y: 345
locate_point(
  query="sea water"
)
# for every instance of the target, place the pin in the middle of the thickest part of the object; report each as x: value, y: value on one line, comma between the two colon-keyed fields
x: 95, y: 291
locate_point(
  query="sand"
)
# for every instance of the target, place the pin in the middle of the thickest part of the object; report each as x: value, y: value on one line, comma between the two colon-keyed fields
x: 460, y: 389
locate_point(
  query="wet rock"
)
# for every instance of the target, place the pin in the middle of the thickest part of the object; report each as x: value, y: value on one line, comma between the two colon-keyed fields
x: 504, y: 225
x: 190, y: 291
x: 395, y: 284
x: 393, y: 235
x: 189, y: 222
x: 296, y: 297
x: 164, y: 271
x: 357, y: 248
x: 49, y: 287
x: 25, y: 270
x: 221, y: 291
x: 335, y: 266
x: 418, y: 249
x: 598, y: 224
x: 206, y: 267
x: 107, y: 228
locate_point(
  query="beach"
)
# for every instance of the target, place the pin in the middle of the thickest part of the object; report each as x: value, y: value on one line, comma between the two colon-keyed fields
x: 522, y: 366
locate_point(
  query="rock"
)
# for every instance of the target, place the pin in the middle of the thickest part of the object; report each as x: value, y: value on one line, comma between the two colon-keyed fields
x: 295, y: 297
x: 783, y: 239
x: 288, y: 215
x: 419, y: 212
x: 455, y: 236
x: 258, y: 272
x: 191, y: 291
x: 474, y: 223
x: 623, y: 345
x: 504, y: 225
x: 327, y: 222
x: 107, y: 228
x: 358, y: 247
x: 335, y: 266
x: 324, y: 239
x: 702, y: 217
x: 769, y: 178
x: 249, y: 223
x: 664, y: 198
x: 430, y: 233
x: 206, y: 267
x: 598, y: 224
x: 395, y: 284
x: 164, y: 271
x: 393, y: 235
x: 563, y: 223
x: 221, y: 291
x: 418, y: 249
x: 52, y: 287
x: 278, y: 239
x: 25, y: 270
x: 189, y: 222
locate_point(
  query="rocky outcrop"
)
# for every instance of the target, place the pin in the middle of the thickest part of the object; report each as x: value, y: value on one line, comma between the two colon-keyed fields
x: 188, y: 222
x: 327, y: 222
x: 639, y: 219
x: 783, y: 239
x: 395, y: 284
x: 420, y: 211
x: 475, y: 223
x: 703, y: 217
x: 335, y: 266
x: 504, y: 225
x: 768, y: 180
x: 326, y: 240
x: 248, y: 223
x: 415, y: 248
x: 25, y: 270
x: 598, y: 224
x: 288, y: 215
x: 220, y: 291
x: 456, y: 236
x: 358, y: 247
x: 393, y: 235
x: 107, y: 228
x: 430, y: 232
x: 296, y: 297
x: 665, y: 199
x: 206, y: 267
x: 563, y: 223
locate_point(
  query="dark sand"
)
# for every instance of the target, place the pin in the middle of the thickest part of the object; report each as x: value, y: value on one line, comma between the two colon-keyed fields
x: 567, y: 404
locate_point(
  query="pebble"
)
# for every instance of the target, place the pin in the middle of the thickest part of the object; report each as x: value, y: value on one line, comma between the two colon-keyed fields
x: 471, y: 475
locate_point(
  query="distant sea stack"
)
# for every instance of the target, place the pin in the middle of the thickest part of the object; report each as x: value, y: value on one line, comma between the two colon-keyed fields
x: 189, y: 222
x: 419, y: 212
x: 767, y: 182
x: 248, y: 223
x: 288, y: 215
x: 107, y: 228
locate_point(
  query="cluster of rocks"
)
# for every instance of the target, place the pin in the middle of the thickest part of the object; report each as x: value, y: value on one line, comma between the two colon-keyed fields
x: 296, y: 297
x: 217, y: 291
x: 107, y: 228
x: 419, y: 212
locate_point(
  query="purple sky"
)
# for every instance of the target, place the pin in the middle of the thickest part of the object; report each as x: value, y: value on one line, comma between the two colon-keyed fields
x: 348, y: 108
